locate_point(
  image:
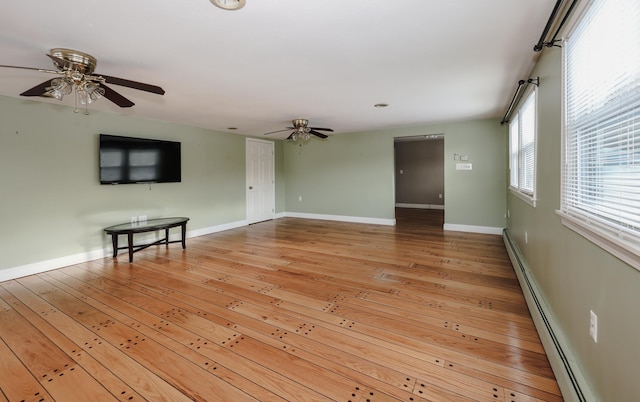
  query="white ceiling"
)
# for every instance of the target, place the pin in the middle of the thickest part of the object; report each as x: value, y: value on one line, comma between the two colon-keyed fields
x: 274, y: 60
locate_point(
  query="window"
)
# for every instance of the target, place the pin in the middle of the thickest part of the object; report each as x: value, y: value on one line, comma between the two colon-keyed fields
x: 601, y: 138
x: 522, y: 145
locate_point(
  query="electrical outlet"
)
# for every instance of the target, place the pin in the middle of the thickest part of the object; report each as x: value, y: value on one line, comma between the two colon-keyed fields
x: 439, y: 195
x: 300, y: 198
x: 593, y: 326
x: 134, y: 219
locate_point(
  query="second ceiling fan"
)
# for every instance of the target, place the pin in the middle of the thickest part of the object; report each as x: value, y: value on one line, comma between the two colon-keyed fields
x: 302, y: 131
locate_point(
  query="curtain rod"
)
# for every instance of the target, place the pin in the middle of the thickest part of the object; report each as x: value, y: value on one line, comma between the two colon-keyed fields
x: 517, y: 95
x: 552, y: 18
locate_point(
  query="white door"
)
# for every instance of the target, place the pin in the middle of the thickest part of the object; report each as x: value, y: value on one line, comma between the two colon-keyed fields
x: 261, y: 183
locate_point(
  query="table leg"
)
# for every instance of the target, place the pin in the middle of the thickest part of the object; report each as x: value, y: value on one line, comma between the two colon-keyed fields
x: 166, y: 237
x: 114, y: 241
x: 130, y: 238
x: 184, y: 235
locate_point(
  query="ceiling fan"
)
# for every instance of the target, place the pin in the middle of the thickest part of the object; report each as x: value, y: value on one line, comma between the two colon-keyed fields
x: 301, y: 130
x: 74, y: 70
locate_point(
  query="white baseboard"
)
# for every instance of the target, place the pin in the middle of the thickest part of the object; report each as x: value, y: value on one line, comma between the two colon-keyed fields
x: 215, y: 229
x: 420, y: 206
x: 472, y: 229
x: 570, y: 379
x: 48, y: 265
x: 341, y: 218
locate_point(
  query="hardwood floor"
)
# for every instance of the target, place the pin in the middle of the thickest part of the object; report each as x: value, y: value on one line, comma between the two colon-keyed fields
x: 291, y: 309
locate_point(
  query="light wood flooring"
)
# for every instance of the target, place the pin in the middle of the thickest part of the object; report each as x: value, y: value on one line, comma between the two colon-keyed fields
x: 290, y: 309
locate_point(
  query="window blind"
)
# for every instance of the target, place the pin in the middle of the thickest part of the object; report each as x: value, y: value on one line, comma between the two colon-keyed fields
x: 601, y: 169
x: 522, y: 148
x: 526, y: 169
x: 514, y: 141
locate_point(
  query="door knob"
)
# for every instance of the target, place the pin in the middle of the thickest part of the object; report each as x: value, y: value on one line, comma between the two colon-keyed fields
x: 250, y: 187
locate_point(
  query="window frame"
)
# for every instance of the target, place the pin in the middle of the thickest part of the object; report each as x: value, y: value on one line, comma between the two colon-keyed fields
x: 526, y: 195
x: 624, y: 245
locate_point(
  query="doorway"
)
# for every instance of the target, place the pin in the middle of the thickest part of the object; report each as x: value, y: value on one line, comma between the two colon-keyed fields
x: 419, y: 175
x: 260, y: 181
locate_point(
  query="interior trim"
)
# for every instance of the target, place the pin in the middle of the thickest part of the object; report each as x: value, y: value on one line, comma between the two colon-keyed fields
x: 524, y: 197
x: 342, y: 218
x: 420, y: 206
x: 473, y: 229
x: 617, y: 246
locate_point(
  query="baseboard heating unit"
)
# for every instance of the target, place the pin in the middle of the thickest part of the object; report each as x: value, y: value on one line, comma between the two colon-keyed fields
x: 570, y: 379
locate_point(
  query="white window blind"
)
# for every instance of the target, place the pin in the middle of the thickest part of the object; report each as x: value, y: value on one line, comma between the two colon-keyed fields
x: 526, y: 169
x: 522, y: 146
x: 601, y: 169
x: 514, y: 133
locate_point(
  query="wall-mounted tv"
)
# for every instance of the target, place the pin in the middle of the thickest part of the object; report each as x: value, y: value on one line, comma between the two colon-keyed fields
x: 125, y: 160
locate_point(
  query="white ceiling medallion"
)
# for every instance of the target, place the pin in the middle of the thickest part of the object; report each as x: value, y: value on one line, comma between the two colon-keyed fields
x: 229, y: 4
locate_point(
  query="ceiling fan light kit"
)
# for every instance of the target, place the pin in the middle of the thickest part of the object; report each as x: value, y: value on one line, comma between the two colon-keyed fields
x: 229, y: 4
x: 77, y: 68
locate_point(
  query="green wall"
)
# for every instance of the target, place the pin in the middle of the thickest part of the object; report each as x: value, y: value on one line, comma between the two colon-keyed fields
x: 350, y: 175
x: 476, y: 197
x: 573, y: 274
x: 353, y: 174
x: 53, y: 205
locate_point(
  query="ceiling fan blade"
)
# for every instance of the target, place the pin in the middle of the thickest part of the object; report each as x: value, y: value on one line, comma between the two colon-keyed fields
x: 321, y: 129
x: 42, y: 70
x: 279, y: 131
x: 317, y: 134
x: 38, y: 90
x: 115, y: 97
x: 132, y: 84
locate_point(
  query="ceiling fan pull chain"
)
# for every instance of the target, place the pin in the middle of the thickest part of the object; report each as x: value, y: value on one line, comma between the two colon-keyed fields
x: 76, y: 101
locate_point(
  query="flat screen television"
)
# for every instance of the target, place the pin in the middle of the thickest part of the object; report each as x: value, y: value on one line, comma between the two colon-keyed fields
x: 126, y: 160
